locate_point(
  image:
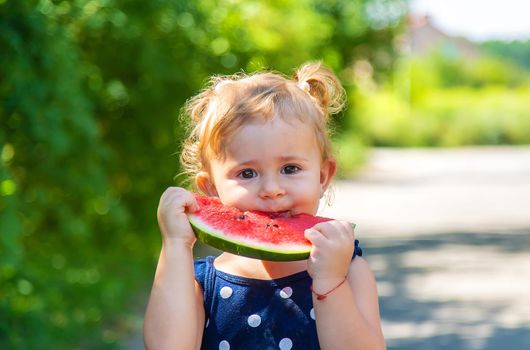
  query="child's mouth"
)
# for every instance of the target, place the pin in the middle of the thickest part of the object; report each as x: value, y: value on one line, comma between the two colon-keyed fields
x: 280, y: 214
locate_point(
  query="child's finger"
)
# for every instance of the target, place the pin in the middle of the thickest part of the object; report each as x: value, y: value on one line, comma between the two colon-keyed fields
x: 334, y: 229
x: 176, y: 196
x: 348, y: 228
x: 321, y: 227
x: 191, y: 203
x: 194, y: 207
x: 314, y: 236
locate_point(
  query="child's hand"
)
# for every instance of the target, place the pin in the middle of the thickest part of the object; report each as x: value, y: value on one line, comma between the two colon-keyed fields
x: 332, y: 251
x: 172, y: 219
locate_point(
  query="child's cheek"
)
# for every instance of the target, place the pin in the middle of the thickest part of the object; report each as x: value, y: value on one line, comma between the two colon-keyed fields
x: 236, y: 196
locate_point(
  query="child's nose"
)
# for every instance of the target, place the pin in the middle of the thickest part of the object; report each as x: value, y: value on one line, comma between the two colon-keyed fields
x: 271, y: 188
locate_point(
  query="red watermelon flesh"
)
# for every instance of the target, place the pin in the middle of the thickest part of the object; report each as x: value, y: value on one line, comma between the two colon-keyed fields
x: 262, y: 235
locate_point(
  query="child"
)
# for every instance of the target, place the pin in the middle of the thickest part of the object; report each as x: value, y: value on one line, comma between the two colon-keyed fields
x: 260, y: 142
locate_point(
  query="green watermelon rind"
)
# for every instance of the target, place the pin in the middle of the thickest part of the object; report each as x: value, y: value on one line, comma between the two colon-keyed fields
x: 217, y: 239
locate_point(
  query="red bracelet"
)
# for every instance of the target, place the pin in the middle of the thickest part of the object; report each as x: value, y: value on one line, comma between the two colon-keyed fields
x: 324, y: 296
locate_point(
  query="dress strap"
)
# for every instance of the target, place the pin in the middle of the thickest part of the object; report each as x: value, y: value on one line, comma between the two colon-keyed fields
x: 209, y: 281
x: 199, y: 267
x: 205, y: 275
x: 357, y: 251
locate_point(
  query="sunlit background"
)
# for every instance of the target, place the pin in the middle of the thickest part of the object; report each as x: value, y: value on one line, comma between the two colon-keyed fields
x: 90, y: 95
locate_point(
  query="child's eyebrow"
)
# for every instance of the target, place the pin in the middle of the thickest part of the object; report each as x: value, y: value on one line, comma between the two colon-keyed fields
x: 290, y: 158
x: 294, y: 157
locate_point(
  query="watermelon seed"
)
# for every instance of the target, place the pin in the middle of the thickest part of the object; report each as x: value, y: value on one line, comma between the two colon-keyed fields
x: 242, y: 217
x: 272, y: 225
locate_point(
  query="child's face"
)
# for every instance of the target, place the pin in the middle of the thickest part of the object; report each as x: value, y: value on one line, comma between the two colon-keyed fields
x: 273, y: 166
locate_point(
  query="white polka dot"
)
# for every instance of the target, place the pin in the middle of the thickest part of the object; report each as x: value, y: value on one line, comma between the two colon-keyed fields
x: 312, y: 313
x: 207, y: 323
x: 286, y: 344
x: 254, y: 320
x: 286, y: 292
x: 226, y: 292
x: 224, y: 345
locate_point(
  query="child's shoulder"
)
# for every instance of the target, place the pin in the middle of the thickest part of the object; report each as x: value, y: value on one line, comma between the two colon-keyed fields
x: 359, y: 272
x: 360, y: 275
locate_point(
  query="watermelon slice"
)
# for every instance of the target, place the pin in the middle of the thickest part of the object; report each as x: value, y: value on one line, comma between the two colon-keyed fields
x: 260, y: 235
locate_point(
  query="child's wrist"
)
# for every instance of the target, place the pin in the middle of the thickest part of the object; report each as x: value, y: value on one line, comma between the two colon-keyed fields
x: 323, y: 287
x: 177, y: 243
x: 326, y: 281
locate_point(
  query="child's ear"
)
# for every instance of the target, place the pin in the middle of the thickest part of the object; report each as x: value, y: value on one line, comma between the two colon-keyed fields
x: 205, y: 184
x: 327, y: 172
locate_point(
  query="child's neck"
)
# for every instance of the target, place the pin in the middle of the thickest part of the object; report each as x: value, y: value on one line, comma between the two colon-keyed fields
x: 258, y: 269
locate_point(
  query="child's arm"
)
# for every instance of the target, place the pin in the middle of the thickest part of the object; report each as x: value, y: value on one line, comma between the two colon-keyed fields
x: 175, y: 315
x: 348, y: 318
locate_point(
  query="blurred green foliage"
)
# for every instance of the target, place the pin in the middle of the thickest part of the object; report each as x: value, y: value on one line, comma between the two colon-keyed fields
x: 90, y: 92
x: 437, y: 100
x: 517, y: 51
x: 447, y: 117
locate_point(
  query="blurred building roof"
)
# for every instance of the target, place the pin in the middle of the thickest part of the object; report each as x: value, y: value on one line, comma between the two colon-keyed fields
x: 422, y: 37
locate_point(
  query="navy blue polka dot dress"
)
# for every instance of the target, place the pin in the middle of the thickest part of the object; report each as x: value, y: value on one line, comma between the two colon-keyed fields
x: 245, y: 313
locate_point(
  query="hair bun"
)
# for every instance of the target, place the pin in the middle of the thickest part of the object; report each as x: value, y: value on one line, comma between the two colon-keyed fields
x: 323, y: 86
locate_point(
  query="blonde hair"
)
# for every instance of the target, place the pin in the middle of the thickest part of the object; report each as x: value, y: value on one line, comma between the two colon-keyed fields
x: 229, y: 102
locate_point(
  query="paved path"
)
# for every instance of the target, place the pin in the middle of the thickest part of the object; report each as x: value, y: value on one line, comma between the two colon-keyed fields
x: 447, y: 233
x: 408, y: 192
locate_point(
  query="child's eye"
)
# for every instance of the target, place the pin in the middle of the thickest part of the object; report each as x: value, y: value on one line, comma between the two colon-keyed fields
x: 247, y: 174
x: 290, y: 169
